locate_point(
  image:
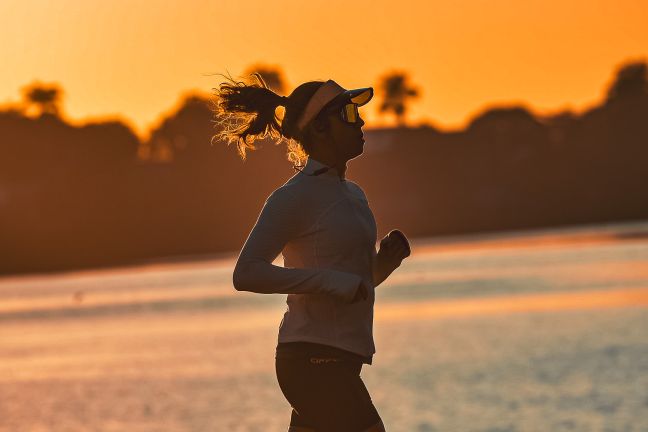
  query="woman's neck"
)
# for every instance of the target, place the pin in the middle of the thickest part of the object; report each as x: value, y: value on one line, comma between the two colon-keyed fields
x: 339, y: 166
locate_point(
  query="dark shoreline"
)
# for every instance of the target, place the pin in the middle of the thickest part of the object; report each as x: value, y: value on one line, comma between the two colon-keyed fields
x: 619, y: 231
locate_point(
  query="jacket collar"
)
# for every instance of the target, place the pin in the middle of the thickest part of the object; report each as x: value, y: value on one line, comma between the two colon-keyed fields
x: 313, y: 165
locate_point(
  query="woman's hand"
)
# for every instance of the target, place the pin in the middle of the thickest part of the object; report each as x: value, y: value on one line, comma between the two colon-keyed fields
x: 394, y: 247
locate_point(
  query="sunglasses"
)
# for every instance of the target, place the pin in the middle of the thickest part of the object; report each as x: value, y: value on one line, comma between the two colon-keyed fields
x: 348, y: 112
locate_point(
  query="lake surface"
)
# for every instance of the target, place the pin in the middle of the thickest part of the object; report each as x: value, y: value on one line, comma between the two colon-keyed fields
x: 543, y: 330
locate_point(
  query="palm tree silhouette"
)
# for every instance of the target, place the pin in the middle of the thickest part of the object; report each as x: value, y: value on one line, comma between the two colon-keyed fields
x: 45, y: 98
x: 396, y: 91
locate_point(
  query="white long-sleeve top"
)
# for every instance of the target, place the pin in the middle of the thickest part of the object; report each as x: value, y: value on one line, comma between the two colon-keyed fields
x: 327, y: 233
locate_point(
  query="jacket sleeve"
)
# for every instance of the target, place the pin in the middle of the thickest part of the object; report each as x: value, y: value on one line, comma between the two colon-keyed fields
x: 281, y: 220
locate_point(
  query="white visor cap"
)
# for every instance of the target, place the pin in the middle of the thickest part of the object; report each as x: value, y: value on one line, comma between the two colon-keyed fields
x: 326, y: 93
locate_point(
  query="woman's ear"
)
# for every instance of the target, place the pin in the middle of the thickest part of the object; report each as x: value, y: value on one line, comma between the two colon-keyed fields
x: 319, y: 124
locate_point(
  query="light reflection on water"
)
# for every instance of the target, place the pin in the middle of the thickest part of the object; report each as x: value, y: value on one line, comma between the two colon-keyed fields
x: 174, y: 347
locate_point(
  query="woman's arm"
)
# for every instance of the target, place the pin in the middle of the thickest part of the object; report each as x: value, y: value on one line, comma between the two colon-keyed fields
x: 394, y: 247
x: 378, y: 273
x: 381, y: 268
x: 280, y: 220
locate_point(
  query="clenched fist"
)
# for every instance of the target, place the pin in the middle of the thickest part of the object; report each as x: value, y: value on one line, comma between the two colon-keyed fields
x: 394, y: 247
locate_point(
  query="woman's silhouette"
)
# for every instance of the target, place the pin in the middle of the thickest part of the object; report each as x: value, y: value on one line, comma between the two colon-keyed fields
x: 323, y: 226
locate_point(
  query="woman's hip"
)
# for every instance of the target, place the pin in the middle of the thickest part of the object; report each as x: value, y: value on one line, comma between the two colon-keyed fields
x: 325, y: 391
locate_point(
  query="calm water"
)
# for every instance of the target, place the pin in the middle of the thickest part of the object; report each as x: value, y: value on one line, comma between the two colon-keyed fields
x: 529, y: 331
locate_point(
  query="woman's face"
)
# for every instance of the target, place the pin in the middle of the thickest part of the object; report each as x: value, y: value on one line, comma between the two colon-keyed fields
x: 347, y: 138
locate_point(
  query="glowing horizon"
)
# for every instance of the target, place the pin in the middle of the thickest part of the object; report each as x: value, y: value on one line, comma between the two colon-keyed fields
x: 134, y: 62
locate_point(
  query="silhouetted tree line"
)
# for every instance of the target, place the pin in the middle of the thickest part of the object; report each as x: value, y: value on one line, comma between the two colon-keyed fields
x: 73, y: 197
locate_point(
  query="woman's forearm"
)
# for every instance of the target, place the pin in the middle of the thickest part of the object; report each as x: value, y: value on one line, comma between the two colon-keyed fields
x: 259, y: 276
x: 381, y: 270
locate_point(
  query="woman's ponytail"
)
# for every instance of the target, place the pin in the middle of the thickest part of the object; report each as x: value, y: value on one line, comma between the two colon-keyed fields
x: 247, y: 112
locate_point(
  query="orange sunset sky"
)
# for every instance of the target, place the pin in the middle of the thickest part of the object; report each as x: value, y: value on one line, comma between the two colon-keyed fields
x: 133, y: 59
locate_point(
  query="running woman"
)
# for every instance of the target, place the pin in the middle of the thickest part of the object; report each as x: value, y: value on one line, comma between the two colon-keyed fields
x: 323, y: 226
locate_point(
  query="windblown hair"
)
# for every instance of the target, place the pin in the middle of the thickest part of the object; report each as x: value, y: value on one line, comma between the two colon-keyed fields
x: 246, y: 112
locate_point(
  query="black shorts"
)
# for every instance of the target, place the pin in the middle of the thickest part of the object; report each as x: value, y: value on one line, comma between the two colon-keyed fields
x: 324, y: 388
